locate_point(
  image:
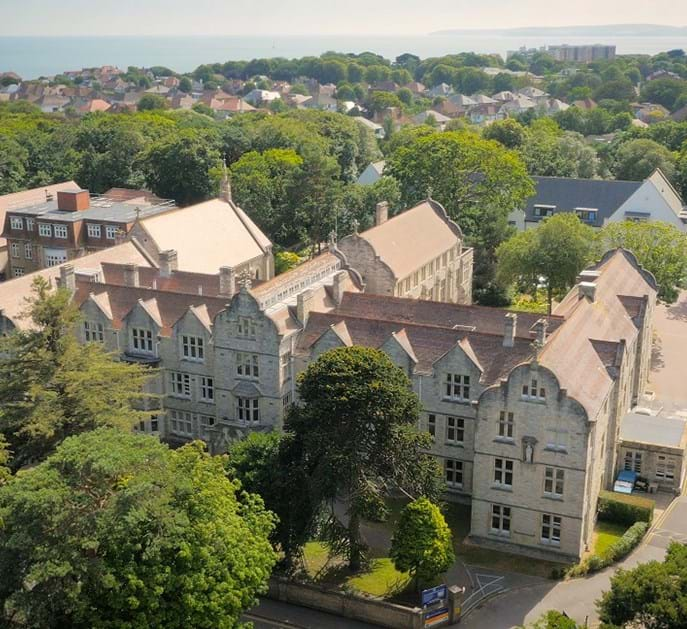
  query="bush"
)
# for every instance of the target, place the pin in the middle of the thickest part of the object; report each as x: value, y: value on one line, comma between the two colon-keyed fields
x: 623, y: 509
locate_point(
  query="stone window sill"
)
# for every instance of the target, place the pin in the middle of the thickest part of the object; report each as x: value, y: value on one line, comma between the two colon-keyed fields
x: 508, y: 488
x: 506, y: 440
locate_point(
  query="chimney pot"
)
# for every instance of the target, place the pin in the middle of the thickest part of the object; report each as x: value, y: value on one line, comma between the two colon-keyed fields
x: 131, y: 275
x: 168, y: 262
x: 510, y: 329
x: 381, y: 213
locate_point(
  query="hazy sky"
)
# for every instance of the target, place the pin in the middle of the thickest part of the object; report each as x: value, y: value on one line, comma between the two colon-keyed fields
x: 317, y: 17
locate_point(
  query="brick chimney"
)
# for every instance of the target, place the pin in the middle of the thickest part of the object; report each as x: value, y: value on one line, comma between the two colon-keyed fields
x: 381, y: 213
x: 68, y: 277
x: 303, y: 305
x: 227, y: 281
x: 73, y: 200
x: 510, y: 329
x: 168, y: 262
x: 131, y: 275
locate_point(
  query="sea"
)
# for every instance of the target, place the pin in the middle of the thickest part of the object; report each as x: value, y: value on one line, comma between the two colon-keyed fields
x: 32, y: 57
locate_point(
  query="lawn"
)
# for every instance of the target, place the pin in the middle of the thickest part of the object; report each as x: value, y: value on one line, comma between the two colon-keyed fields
x: 605, y: 535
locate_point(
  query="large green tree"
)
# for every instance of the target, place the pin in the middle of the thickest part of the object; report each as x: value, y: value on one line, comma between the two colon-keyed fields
x: 356, y: 422
x: 555, y: 252
x: 116, y: 530
x: 637, y: 159
x: 651, y: 595
x: 660, y: 248
x: 422, y: 544
x: 52, y: 387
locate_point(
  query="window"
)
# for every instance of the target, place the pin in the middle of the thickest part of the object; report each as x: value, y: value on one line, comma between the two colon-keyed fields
x: 588, y: 215
x: 551, y: 529
x: 181, y: 384
x: 633, y: 461
x: 54, y: 257
x: 453, y: 471
x: 500, y: 520
x: 503, y: 472
x: 154, y: 423
x: 285, y: 361
x: 192, y: 348
x: 181, y: 422
x: 530, y: 391
x: 94, y: 331
x: 455, y: 430
x: 246, y: 327
x: 506, y: 424
x: 16, y: 223
x: 665, y: 468
x: 543, y: 210
x: 111, y: 232
x: 416, y: 278
x: 28, y: 251
x: 142, y: 340
x: 14, y: 249
x: 457, y: 387
x: 557, y: 440
x: 94, y: 230
x: 286, y: 399
x: 205, y: 422
x: 207, y: 389
x: 247, y: 365
x: 17, y: 271
x: 553, y: 482
x: 30, y: 224
x: 432, y: 425
x: 248, y: 410
x: 44, y: 230
x: 60, y: 231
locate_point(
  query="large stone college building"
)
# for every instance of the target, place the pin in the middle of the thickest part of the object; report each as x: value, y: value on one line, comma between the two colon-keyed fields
x: 524, y: 409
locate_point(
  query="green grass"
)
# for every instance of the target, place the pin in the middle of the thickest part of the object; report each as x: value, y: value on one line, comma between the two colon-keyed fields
x: 605, y: 535
x: 382, y: 579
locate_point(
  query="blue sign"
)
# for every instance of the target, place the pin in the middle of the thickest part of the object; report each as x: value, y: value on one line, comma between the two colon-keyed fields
x: 434, y: 595
x: 436, y: 617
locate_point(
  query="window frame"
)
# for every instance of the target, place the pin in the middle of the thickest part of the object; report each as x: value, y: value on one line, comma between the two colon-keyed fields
x: 503, y: 472
x: 455, y: 430
x: 142, y: 341
x: 45, y: 230
x: 248, y: 410
x: 14, y: 250
x: 94, y: 331
x: 457, y: 387
x: 206, y: 389
x: 28, y: 251
x: 60, y: 231
x: 551, y: 523
x: 454, y: 469
x: 193, y: 348
x: 94, y: 230
x: 247, y: 365
x: 504, y: 515
x: 180, y: 384
x: 506, y: 426
x: 554, y: 482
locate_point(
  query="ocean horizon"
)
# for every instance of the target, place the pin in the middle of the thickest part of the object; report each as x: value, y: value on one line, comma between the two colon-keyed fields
x: 32, y: 57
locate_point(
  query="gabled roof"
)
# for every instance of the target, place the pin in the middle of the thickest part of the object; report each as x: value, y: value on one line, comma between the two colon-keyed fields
x: 207, y: 236
x: 566, y: 194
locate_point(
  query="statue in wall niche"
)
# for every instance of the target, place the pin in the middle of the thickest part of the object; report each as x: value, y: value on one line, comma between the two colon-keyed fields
x: 528, y: 444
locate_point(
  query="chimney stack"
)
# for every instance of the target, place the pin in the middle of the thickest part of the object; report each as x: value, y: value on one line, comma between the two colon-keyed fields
x: 68, y: 277
x: 540, y: 329
x: 168, y: 262
x: 303, y: 305
x: 73, y: 200
x: 587, y: 289
x: 227, y: 281
x: 131, y: 275
x: 338, y: 287
x: 381, y: 213
x: 510, y: 329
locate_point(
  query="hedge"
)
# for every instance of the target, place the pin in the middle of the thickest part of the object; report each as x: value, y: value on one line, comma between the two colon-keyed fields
x: 625, y: 509
x: 621, y: 548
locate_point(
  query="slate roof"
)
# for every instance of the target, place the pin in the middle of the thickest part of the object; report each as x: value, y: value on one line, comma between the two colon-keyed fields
x: 566, y: 194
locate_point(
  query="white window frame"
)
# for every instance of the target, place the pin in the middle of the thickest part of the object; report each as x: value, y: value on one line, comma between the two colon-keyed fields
x: 285, y: 362
x: 246, y: 328
x: 60, y: 231
x: 30, y: 224
x: 28, y: 251
x: 94, y: 230
x: 453, y: 473
x: 45, y: 229
x: 665, y: 467
x: 533, y: 392
x: 457, y: 387
x: 142, y: 341
x: 502, y: 516
x: 551, y: 526
x: 248, y: 410
x: 193, y: 348
x: 111, y: 231
x: 247, y: 365
x: 503, y: 472
x: 180, y: 384
x: 16, y: 223
x: 207, y: 389
x: 94, y: 331
x: 55, y: 260
x: 14, y: 250
x: 181, y: 423
x: 17, y: 271
x: 632, y: 461
x: 506, y: 427
x: 455, y: 430
x: 554, y: 482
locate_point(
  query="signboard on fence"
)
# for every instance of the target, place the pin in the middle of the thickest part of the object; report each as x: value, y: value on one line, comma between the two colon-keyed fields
x: 434, y: 595
x: 436, y: 617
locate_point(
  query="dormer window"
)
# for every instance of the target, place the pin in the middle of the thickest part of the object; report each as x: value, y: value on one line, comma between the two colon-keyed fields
x: 110, y: 232
x: 30, y: 224
x: 532, y: 391
x: 60, y: 231
x: 542, y: 211
x: 44, y: 230
x: 94, y: 331
x: 192, y: 348
x: 457, y: 387
x: 586, y: 214
x: 94, y: 230
x: 142, y: 340
x: 16, y: 222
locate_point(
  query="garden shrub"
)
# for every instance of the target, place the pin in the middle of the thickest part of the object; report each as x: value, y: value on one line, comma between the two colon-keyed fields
x: 624, y: 509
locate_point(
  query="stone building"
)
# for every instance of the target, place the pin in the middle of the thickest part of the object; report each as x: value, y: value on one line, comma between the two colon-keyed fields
x: 524, y: 410
x: 418, y: 253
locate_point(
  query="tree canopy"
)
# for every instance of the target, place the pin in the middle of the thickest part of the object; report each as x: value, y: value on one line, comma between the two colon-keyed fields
x: 52, y: 387
x: 116, y: 530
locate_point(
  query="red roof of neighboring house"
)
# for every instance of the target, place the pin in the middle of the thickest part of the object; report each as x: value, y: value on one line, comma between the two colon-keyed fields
x: 97, y: 104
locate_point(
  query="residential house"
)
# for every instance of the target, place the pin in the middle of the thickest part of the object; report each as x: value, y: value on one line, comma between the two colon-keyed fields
x: 503, y: 96
x: 650, y: 112
x: 93, y: 105
x: 372, y: 173
x: 431, y: 117
x: 485, y: 114
x: 416, y: 88
x: 439, y: 90
x: 258, y: 97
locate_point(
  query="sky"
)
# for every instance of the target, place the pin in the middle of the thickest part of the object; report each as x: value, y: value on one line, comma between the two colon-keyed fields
x: 318, y: 17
